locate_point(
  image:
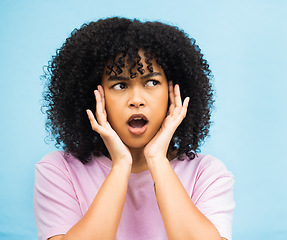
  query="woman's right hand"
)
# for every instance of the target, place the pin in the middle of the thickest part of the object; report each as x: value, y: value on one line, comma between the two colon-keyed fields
x: 119, y: 152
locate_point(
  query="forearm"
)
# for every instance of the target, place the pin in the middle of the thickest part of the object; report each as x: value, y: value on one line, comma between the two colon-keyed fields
x: 181, y: 218
x: 102, y: 219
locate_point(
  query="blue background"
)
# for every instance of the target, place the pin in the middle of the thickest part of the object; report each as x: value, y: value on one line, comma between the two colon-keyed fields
x: 245, y: 44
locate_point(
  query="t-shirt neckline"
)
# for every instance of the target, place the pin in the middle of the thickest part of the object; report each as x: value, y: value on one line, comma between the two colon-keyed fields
x: 106, y: 162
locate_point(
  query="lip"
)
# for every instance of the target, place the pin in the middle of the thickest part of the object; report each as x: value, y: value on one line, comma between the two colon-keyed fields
x: 137, y: 131
x: 137, y: 116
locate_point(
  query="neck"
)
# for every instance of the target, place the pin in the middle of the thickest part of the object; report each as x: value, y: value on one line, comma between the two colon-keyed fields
x: 139, y: 161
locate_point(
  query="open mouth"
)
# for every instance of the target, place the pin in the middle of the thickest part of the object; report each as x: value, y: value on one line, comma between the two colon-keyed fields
x: 137, y: 124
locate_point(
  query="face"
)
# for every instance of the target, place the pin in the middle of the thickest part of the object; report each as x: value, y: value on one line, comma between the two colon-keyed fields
x: 136, y: 107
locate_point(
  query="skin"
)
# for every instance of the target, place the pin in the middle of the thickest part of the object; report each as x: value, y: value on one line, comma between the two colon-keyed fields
x: 146, y: 94
x: 129, y: 153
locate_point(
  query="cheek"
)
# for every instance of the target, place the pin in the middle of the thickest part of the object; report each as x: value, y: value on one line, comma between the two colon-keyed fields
x: 161, y: 107
x: 113, y: 113
x: 112, y: 109
x: 164, y: 100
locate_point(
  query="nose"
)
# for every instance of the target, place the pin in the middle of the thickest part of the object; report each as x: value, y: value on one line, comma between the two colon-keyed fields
x: 136, y: 98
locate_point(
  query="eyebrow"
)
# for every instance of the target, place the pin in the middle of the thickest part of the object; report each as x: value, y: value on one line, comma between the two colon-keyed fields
x: 121, y: 78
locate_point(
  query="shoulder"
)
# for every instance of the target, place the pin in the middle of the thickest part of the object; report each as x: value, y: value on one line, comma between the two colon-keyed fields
x: 56, y: 159
x: 212, y: 165
x: 203, y: 174
x: 212, y: 173
x: 66, y: 165
x: 57, y: 162
x: 202, y: 165
x: 51, y: 165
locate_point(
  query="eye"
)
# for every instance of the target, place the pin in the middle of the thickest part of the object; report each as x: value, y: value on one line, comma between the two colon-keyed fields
x: 119, y: 86
x: 152, y: 83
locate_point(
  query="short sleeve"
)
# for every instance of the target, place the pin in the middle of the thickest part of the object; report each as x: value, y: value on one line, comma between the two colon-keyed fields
x: 56, y: 205
x: 214, y: 196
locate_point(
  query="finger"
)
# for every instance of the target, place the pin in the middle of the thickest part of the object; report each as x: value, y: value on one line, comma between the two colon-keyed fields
x: 95, y: 125
x: 177, y: 119
x: 171, y: 97
x: 100, y: 115
x: 177, y: 101
x: 98, y: 101
x: 184, y: 107
x: 177, y: 96
x: 101, y: 90
x: 93, y: 121
x: 186, y: 102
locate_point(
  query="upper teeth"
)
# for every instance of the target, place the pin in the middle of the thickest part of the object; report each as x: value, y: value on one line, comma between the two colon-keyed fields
x: 137, y: 118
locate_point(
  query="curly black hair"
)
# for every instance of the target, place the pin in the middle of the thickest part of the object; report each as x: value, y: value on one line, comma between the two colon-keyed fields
x: 77, y: 68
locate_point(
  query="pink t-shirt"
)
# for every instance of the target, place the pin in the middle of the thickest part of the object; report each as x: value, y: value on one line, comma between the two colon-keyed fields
x: 65, y: 188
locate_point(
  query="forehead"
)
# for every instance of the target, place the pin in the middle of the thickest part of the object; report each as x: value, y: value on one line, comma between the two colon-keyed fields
x: 132, y: 65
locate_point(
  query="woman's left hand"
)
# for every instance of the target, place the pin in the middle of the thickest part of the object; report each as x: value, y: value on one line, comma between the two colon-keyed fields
x: 158, y: 146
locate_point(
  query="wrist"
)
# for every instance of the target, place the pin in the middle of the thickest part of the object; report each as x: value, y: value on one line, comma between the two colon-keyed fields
x: 157, y: 162
x: 122, y: 166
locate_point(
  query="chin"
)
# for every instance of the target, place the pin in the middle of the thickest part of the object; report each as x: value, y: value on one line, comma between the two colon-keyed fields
x: 136, y: 145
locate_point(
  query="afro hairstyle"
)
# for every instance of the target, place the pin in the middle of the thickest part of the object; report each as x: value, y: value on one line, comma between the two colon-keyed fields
x: 77, y: 68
